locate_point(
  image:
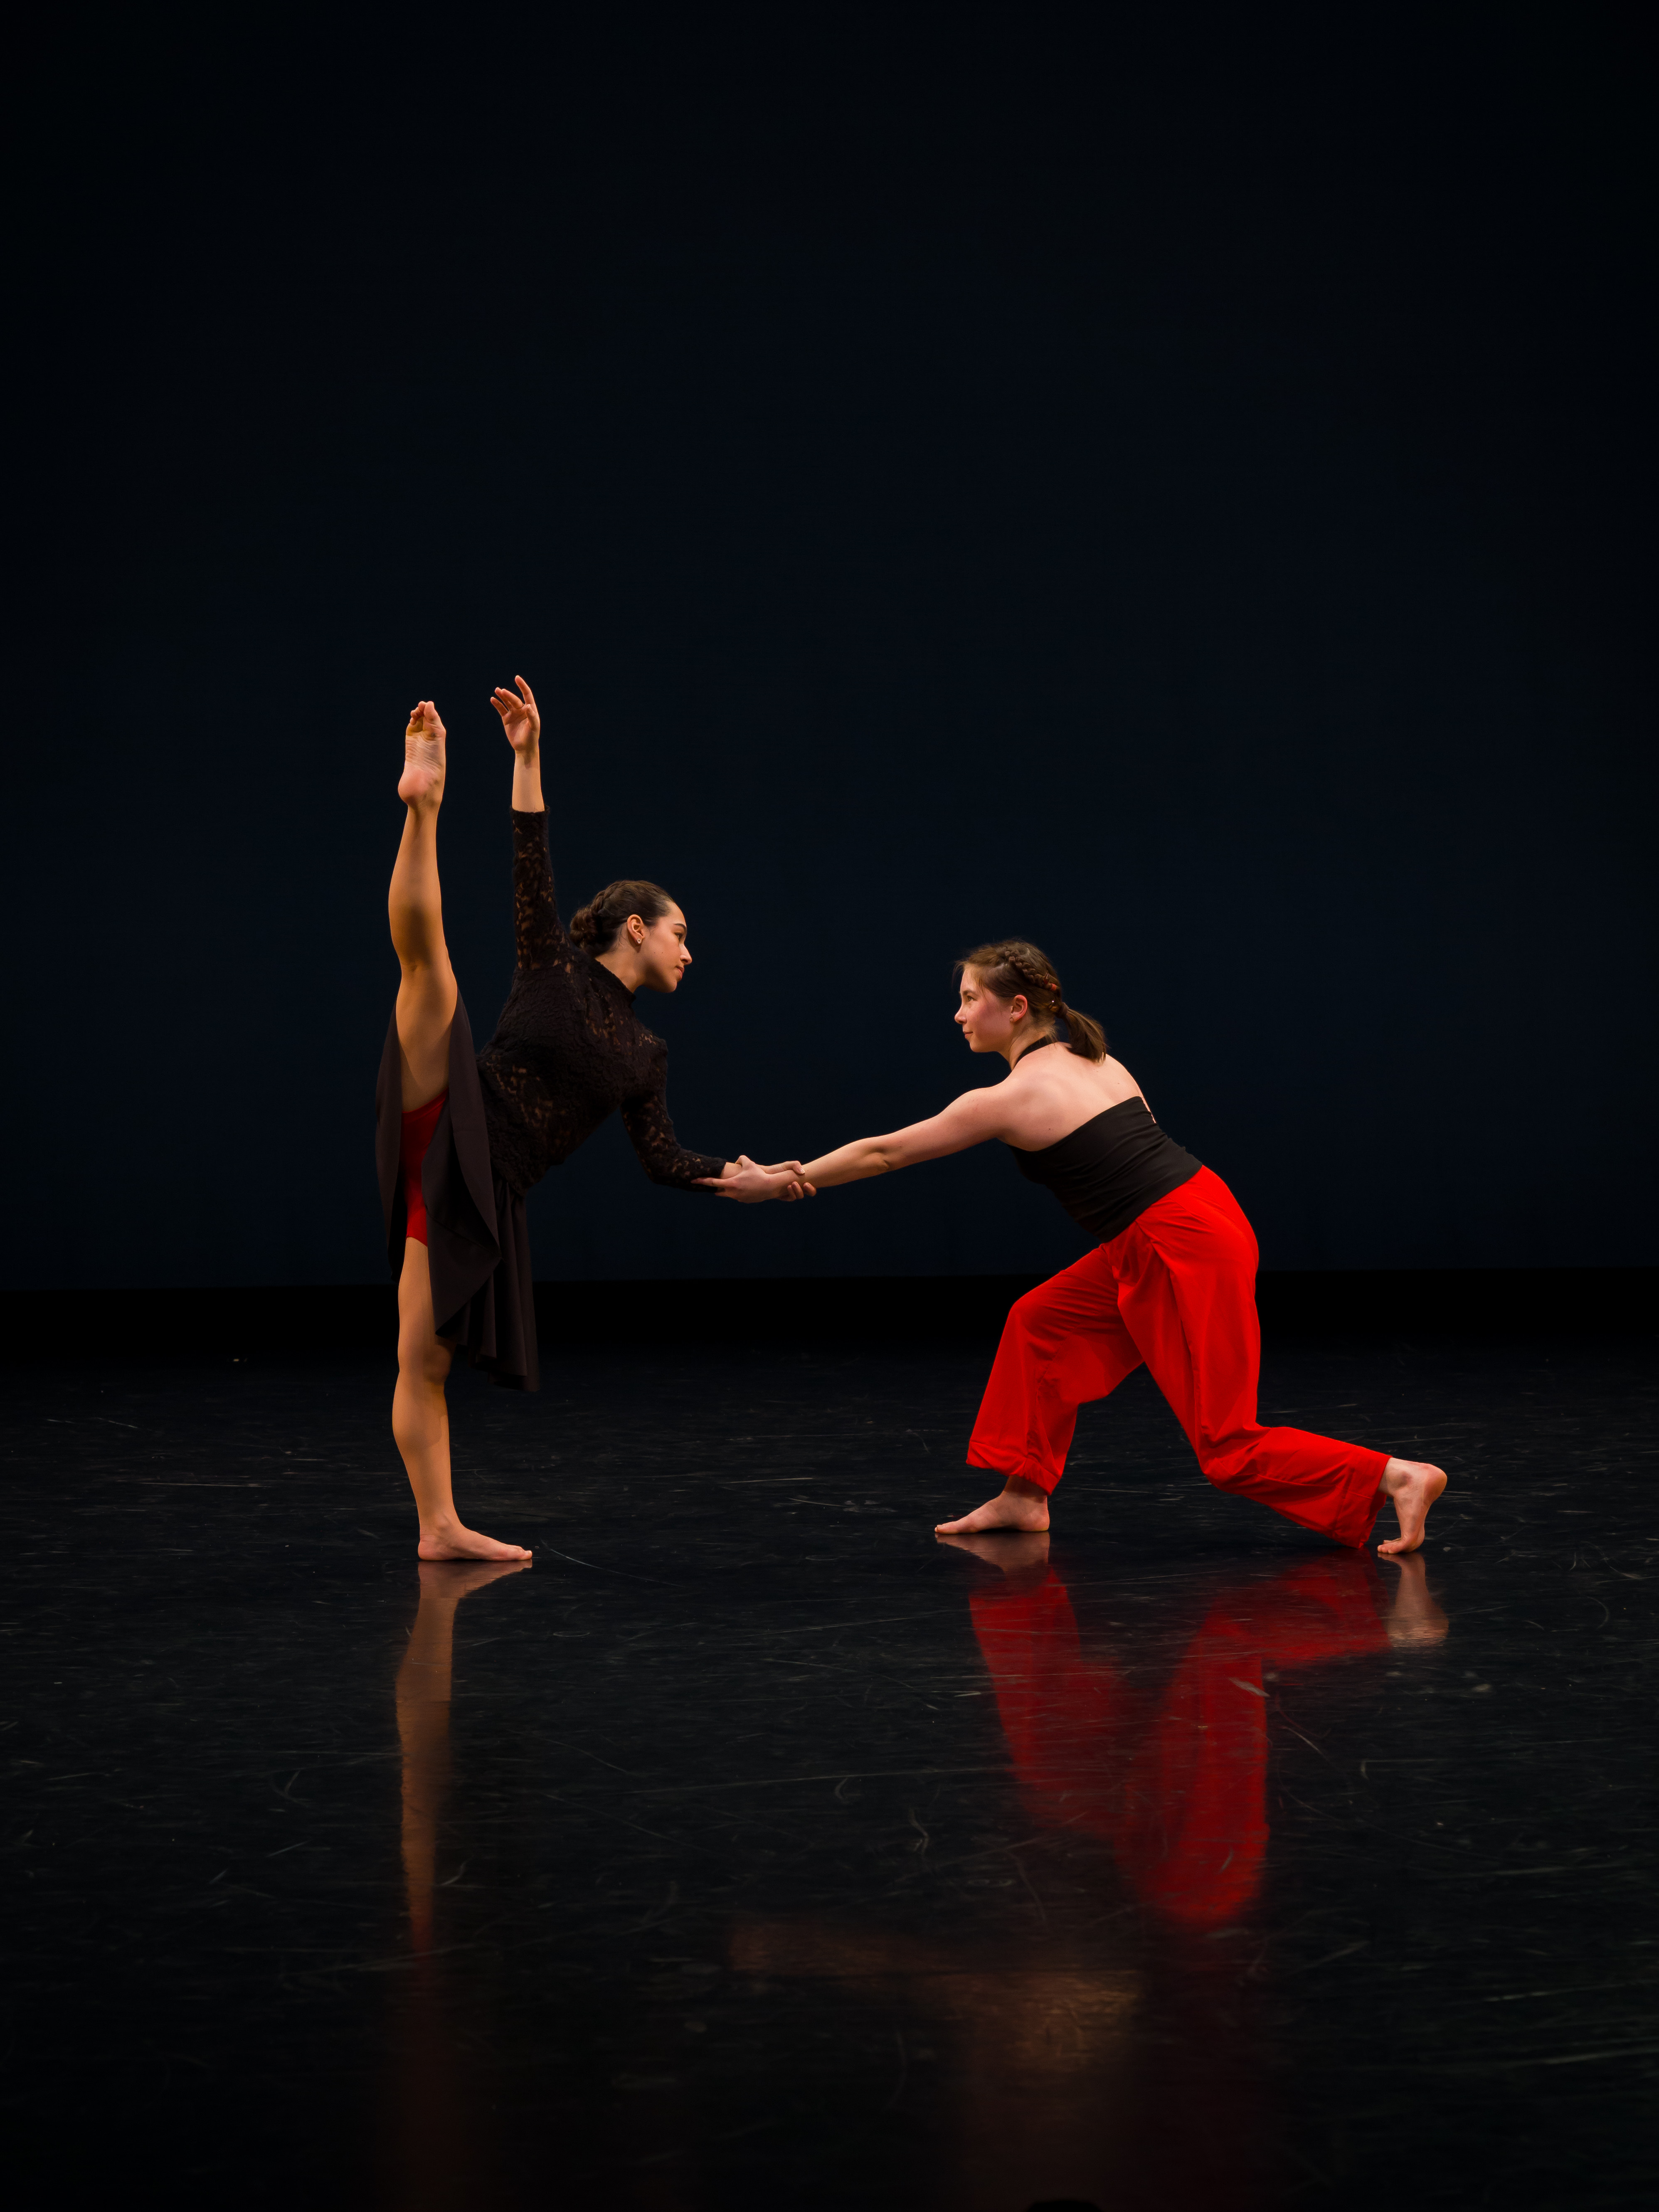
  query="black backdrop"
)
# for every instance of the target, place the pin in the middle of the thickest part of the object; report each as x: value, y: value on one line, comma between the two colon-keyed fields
x: 1182, y: 493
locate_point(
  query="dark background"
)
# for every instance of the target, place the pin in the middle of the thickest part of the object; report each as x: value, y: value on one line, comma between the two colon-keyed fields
x: 1177, y: 487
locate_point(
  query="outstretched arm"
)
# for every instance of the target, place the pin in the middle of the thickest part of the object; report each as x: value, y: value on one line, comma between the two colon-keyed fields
x: 661, y: 1152
x: 666, y: 1161
x: 969, y: 1119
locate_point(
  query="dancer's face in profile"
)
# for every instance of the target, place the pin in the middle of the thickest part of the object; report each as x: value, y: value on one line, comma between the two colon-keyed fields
x: 989, y: 1023
x: 662, y: 951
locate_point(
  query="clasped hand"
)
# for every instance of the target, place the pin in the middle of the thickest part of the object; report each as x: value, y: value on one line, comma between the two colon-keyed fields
x: 751, y: 1185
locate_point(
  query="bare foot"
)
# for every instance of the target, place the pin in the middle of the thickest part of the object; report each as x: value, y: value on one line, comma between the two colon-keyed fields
x: 446, y: 1581
x: 1414, y: 1617
x: 1021, y: 1506
x: 1413, y: 1485
x: 451, y: 1541
x: 1011, y: 1550
x: 421, y: 783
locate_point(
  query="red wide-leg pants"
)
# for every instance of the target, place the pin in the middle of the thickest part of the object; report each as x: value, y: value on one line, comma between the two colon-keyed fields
x: 1176, y: 1290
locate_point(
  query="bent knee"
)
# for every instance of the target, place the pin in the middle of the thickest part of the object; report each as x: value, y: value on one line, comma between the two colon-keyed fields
x: 1033, y: 1312
x: 1225, y: 1470
x: 1036, y: 1322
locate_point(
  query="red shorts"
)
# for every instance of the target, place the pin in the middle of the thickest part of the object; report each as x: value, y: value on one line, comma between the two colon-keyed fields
x: 417, y: 1136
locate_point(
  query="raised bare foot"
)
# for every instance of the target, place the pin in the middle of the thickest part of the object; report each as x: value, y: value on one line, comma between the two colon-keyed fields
x: 1021, y: 1506
x: 1010, y: 1549
x: 1413, y: 1485
x: 451, y: 1541
x: 421, y: 783
x: 1414, y: 1618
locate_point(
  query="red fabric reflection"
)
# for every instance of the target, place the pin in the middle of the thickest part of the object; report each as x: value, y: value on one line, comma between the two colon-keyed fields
x: 1174, y: 1778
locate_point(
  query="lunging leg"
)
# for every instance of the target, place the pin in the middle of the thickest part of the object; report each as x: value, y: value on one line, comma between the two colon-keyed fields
x: 1185, y: 1274
x: 1063, y: 1346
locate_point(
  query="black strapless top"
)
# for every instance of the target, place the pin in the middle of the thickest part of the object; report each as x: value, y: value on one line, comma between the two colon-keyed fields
x: 1111, y: 1169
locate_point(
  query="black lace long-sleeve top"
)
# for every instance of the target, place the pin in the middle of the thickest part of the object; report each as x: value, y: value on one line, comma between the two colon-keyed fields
x: 569, y: 1048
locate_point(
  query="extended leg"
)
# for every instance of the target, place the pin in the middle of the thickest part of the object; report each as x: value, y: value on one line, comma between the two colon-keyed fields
x: 426, y: 1011
x: 1063, y: 1345
x: 1186, y: 1275
x: 426, y: 995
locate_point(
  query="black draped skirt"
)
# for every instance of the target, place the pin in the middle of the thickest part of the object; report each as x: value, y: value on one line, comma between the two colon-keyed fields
x: 478, y: 1237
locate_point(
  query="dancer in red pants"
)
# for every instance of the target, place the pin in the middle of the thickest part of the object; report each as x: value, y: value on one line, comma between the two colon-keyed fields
x: 1171, y: 1280
x: 1175, y: 1289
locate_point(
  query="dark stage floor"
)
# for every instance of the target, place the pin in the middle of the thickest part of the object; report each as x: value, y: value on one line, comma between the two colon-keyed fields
x: 755, y: 1849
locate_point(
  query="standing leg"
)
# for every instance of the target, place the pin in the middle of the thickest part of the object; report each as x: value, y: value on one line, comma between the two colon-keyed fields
x: 1185, y: 1274
x: 426, y: 1010
x: 1063, y: 1345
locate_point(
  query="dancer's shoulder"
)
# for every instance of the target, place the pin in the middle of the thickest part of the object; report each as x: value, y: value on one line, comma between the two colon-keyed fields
x: 1046, y: 1101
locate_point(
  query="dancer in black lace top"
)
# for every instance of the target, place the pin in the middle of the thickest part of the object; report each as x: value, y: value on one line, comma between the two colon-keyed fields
x: 461, y: 1138
x: 568, y: 1049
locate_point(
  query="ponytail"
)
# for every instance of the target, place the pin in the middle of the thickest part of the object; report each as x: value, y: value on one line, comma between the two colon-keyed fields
x: 1083, y: 1032
x: 1012, y: 968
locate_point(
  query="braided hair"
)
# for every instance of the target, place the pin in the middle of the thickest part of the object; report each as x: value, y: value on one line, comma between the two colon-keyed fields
x: 1013, y: 968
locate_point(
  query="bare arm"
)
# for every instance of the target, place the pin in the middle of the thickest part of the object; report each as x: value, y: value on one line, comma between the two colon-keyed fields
x: 969, y: 1119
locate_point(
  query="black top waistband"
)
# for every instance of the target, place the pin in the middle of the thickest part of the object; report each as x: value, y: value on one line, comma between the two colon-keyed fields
x: 1111, y: 1168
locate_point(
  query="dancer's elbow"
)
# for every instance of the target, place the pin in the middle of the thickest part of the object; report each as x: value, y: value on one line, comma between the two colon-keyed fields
x: 668, y: 1177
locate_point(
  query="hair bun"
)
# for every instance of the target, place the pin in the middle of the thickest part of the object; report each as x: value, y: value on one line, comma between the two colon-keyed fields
x: 594, y: 927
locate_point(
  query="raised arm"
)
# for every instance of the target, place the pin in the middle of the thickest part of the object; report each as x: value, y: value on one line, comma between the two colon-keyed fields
x: 538, y: 931
x: 521, y: 720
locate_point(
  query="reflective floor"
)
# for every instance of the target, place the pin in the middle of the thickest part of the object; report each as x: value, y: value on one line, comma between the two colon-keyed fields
x: 753, y: 1849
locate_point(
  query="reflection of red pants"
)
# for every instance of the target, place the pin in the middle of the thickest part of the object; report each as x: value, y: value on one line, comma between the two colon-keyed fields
x: 1178, y: 1290
x: 1175, y: 1783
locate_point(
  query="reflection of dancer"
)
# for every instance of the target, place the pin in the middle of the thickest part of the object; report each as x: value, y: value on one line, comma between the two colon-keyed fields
x: 462, y: 1138
x: 433, y: 2148
x: 424, y: 1701
x: 1171, y: 1280
x: 1174, y: 1780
